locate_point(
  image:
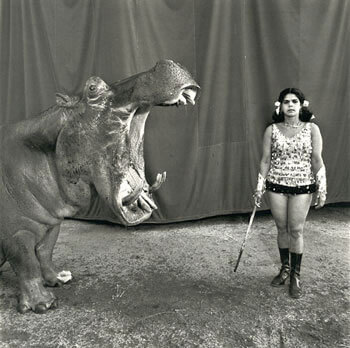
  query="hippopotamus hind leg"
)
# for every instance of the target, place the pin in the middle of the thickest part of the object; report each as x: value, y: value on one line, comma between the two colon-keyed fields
x: 44, y: 252
x: 21, y: 255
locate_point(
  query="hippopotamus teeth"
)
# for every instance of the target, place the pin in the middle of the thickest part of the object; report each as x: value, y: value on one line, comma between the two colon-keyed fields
x: 182, y: 100
x: 132, y: 197
x: 149, y: 201
x: 186, y: 95
x: 159, y: 181
x: 144, y: 205
x: 135, y: 212
x: 190, y: 95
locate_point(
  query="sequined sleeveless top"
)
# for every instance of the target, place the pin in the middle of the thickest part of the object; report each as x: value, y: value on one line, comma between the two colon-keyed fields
x: 291, y: 158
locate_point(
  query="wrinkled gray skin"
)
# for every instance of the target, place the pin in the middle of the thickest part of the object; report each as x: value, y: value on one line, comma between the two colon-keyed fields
x: 79, y: 151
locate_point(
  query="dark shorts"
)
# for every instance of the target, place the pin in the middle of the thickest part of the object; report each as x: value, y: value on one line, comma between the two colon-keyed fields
x: 291, y: 190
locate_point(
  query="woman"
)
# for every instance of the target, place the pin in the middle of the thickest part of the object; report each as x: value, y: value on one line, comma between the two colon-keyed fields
x: 291, y: 169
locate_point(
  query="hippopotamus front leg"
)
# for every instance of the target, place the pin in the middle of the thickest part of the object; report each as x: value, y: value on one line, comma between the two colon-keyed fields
x: 21, y: 255
x: 44, y: 252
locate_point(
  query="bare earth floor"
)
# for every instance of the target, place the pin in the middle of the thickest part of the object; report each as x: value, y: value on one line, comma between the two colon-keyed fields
x: 174, y: 286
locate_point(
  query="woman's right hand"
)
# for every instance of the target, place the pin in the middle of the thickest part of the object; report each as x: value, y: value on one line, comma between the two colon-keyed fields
x: 257, y: 197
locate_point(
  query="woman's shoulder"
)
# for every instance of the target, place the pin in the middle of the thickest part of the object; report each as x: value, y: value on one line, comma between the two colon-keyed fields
x: 315, y: 130
x: 268, y: 132
x: 269, y: 128
x: 313, y: 126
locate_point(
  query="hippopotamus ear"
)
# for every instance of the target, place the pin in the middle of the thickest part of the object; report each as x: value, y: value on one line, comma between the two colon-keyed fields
x: 96, y: 91
x: 66, y: 100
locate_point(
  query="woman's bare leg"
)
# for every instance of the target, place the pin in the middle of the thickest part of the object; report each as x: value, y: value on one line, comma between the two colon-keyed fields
x: 279, y: 210
x: 298, y: 208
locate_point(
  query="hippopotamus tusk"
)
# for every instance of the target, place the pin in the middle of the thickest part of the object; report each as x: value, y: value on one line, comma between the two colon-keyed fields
x: 131, y: 198
x: 159, y: 181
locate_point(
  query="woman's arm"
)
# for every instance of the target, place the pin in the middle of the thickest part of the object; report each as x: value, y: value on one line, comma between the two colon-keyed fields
x: 316, y: 159
x: 266, y: 156
x: 318, y: 165
x: 264, y: 166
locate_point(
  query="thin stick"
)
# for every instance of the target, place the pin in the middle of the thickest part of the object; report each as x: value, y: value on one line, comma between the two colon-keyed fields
x: 245, y: 238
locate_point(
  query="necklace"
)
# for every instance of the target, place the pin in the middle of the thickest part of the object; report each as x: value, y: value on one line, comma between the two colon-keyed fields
x: 297, y: 125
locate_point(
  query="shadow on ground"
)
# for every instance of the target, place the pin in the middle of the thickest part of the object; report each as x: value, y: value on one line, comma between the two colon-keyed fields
x: 174, y: 286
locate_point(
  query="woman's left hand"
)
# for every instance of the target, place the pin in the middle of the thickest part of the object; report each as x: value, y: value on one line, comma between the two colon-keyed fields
x: 320, y: 200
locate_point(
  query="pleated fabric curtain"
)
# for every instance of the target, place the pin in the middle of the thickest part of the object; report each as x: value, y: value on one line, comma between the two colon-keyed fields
x: 241, y: 52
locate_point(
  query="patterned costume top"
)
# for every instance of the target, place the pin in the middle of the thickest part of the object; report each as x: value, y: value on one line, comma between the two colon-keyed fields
x: 291, y: 158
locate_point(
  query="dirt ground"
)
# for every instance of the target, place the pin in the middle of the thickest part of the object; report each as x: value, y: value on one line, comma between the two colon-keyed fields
x: 174, y: 286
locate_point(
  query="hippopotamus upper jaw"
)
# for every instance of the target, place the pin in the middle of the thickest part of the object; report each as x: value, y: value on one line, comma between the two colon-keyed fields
x: 167, y: 83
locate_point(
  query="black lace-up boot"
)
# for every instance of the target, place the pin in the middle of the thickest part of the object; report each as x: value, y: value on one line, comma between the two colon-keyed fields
x: 294, y: 287
x: 283, y: 275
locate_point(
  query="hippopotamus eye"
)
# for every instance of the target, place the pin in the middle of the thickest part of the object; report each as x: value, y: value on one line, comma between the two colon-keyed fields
x: 92, y: 88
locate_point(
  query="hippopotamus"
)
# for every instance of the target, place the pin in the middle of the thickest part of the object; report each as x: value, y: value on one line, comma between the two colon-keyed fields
x: 82, y: 149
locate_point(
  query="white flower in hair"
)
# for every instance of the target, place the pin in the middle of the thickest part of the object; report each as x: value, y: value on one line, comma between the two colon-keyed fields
x: 306, y: 103
x: 277, y: 104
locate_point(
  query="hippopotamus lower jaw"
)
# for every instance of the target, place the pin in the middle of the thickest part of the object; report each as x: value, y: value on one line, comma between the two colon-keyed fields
x: 167, y: 84
x: 117, y: 170
x: 132, y: 199
x: 133, y: 207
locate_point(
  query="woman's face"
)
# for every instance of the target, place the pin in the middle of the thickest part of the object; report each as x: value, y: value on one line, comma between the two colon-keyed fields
x: 291, y: 105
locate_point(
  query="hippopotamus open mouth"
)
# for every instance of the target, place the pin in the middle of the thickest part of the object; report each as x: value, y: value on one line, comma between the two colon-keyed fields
x: 165, y: 85
x: 111, y: 134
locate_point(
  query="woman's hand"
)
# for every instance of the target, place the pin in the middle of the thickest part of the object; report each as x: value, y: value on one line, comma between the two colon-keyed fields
x: 320, y: 200
x: 257, y: 198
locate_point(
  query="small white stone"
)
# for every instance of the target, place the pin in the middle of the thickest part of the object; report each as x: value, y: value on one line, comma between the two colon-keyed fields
x: 64, y: 276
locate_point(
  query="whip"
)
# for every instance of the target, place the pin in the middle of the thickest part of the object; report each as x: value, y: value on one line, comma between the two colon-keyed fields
x: 245, y: 238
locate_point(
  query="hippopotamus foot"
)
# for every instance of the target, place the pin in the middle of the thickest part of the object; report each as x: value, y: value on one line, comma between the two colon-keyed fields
x: 34, y: 296
x: 44, y: 254
x: 23, y: 259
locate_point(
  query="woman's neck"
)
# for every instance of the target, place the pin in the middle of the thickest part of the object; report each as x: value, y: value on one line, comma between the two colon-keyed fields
x: 292, y: 121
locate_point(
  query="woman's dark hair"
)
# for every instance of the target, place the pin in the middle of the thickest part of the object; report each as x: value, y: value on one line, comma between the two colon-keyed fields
x: 305, y: 113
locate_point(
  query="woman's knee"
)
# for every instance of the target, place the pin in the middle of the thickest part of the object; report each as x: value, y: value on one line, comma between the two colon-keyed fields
x: 296, y: 230
x: 282, y: 226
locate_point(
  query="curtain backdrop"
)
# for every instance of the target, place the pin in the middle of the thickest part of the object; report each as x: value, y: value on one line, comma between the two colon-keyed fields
x: 241, y: 52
